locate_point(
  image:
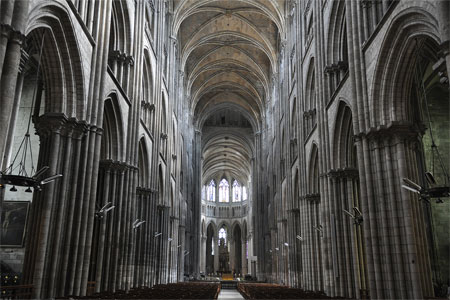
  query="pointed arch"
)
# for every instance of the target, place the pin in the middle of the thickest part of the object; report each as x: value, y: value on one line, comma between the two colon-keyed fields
x: 143, y: 164
x: 161, y: 184
x: 148, y: 101
x: 313, y: 185
x: 61, y: 60
x: 113, y: 135
x: 391, y: 90
x: 344, y: 150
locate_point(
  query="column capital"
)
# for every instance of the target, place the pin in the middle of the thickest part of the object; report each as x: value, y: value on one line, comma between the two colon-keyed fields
x: 50, y: 123
x: 401, y: 129
x: 12, y: 34
x: 129, y: 60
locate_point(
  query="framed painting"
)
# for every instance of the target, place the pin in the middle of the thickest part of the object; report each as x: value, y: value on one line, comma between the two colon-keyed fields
x: 14, y: 218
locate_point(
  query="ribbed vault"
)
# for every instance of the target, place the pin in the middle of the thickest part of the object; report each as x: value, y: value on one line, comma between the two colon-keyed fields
x: 229, y: 53
x: 227, y: 151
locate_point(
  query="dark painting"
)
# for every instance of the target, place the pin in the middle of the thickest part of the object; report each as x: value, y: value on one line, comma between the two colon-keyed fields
x: 14, y: 216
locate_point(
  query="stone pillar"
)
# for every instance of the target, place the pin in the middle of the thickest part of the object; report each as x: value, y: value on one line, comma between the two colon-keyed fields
x: 244, y: 258
x: 9, y: 68
x: 197, y: 203
x: 15, y: 109
x: 53, y: 137
x: 216, y: 253
x: 102, y: 224
x: 232, y: 254
x: 203, y: 255
x: 182, y: 242
x: 6, y: 8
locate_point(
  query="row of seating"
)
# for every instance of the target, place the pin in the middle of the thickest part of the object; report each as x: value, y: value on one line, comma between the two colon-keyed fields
x: 182, y: 290
x: 275, y: 291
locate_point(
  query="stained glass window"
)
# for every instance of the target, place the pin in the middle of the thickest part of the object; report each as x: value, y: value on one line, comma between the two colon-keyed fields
x: 224, y: 191
x: 236, y: 191
x: 212, y: 191
x: 244, y: 193
x: 223, y: 235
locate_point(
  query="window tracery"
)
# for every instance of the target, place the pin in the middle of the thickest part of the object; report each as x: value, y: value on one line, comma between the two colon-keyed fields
x: 237, y: 192
x: 224, y: 191
x: 212, y: 191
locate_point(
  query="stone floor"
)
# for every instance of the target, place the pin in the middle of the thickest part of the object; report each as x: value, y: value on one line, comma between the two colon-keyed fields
x: 229, y: 294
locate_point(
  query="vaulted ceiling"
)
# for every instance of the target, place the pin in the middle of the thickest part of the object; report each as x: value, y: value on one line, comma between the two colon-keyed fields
x: 229, y: 51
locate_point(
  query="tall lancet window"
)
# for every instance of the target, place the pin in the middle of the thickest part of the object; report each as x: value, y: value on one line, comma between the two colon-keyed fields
x: 212, y: 191
x: 224, y: 191
x: 237, y: 195
x: 244, y: 193
x: 223, y: 235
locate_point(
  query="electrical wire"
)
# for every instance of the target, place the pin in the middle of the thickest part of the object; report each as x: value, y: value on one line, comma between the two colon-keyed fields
x: 26, y: 141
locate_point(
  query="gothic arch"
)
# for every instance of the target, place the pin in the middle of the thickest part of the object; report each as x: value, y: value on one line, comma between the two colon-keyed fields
x: 294, y: 119
x: 236, y: 224
x: 121, y: 34
x: 61, y: 61
x: 148, y: 98
x: 161, y: 185
x: 313, y: 178
x: 213, y: 226
x: 310, y: 88
x: 344, y: 152
x: 143, y: 164
x: 113, y: 134
x: 337, y: 34
x: 390, y: 88
x: 225, y: 224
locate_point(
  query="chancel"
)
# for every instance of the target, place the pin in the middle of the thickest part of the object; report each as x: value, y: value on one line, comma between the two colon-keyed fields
x: 224, y: 148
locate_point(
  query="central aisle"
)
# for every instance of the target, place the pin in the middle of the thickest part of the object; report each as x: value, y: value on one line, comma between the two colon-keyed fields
x: 229, y: 294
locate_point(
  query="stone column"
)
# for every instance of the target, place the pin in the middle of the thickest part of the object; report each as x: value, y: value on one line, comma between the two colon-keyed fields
x: 10, y: 69
x: 180, y: 250
x: 197, y: 205
x: 106, y: 281
x: 216, y: 253
x: 244, y: 269
x: 15, y: 109
x: 50, y: 131
x: 203, y: 255
x: 102, y: 224
x: 232, y: 254
x: 6, y: 9
x: 117, y: 238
